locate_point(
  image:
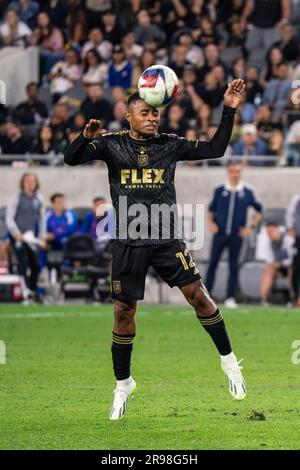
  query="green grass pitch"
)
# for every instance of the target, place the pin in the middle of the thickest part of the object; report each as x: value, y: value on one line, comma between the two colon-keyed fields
x: 56, y: 387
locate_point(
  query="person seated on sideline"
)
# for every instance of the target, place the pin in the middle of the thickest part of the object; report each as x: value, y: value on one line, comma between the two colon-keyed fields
x: 227, y: 218
x: 61, y: 222
x: 91, y: 220
x: 276, y: 247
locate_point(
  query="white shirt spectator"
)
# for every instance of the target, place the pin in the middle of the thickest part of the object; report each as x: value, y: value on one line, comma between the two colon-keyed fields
x: 293, y: 136
x: 104, y: 49
x: 69, y: 74
x: 96, y: 75
x: 18, y: 36
x: 264, y: 250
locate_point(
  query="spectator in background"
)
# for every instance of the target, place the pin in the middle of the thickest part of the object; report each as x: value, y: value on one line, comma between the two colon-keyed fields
x: 207, y: 33
x: 31, y: 111
x: 61, y: 223
x: 254, y: 89
x: 50, y: 41
x: 45, y: 144
x: 57, y: 11
x: 193, y: 53
x: 204, y: 118
x: 146, y: 31
x: 59, y: 123
x: 120, y: 70
x: 274, y: 59
x: 25, y: 213
x: 275, y: 97
x: 27, y: 11
x: 112, y: 30
x: 119, y: 122
x: 14, y: 32
x: 179, y: 60
x: 77, y: 121
x: 132, y: 51
x: 64, y: 75
x: 238, y: 68
x: 14, y: 142
x: 94, y: 70
x: 97, y: 41
x: 275, y: 247
x: 95, y: 106
x: 266, y: 16
x: 293, y: 226
x: 292, y: 145
x: 288, y: 44
x: 212, y: 58
x: 250, y: 144
x: 174, y: 122
x: 89, y: 223
x: 276, y: 146
x: 147, y: 59
x: 227, y: 222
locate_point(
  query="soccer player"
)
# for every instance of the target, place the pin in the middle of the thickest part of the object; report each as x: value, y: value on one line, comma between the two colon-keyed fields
x: 141, y: 165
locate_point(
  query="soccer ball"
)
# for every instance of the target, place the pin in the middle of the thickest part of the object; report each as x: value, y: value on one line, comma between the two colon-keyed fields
x: 158, y: 85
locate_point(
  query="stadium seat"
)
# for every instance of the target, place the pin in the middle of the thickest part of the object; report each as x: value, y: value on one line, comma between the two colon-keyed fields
x: 249, y: 279
x: 85, y: 270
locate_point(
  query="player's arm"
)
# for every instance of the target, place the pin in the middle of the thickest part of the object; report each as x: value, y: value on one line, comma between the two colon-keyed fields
x: 88, y: 146
x: 216, y: 147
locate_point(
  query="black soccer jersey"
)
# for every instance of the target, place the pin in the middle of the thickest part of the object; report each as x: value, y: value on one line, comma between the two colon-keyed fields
x: 142, y: 172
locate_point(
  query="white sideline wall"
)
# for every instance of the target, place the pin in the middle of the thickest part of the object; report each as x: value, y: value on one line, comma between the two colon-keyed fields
x: 274, y: 186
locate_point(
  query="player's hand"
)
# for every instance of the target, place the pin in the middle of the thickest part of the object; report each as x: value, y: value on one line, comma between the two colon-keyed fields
x: 213, y: 228
x: 234, y: 93
x: 93, y: 129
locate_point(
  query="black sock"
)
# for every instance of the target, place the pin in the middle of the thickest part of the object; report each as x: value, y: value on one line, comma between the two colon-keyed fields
x: 215, y: 327
x: 121, y: 354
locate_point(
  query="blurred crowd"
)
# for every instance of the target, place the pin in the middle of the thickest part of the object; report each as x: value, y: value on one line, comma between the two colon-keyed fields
x: 92, y: 53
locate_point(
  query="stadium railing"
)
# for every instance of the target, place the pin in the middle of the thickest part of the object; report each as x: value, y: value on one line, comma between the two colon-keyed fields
x: 58, y: 159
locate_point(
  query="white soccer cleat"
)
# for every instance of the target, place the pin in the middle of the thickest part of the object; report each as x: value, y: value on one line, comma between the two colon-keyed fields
x: 237, y: 385
x: 124, y: 389
x: 230, y: 303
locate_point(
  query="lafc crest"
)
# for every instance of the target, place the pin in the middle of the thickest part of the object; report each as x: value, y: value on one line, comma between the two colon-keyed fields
x: 116, y: 287
x: 143, y: 158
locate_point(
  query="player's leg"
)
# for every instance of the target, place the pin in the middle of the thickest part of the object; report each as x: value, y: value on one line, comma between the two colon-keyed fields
x: 122, y: 343
x: 129, y: 268
x: 212, y: 321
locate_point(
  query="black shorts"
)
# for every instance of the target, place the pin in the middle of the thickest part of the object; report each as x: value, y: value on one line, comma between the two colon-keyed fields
x: 172, y: 262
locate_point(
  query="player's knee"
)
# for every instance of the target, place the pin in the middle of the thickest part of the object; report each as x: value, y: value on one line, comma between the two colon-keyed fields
x: 124, y: 312
x: 200, y: 299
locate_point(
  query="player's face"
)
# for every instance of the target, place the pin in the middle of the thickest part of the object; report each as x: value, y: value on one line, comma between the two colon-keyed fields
x: 59, y: 205
x: 143, y: 119
x: 234, y: 173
